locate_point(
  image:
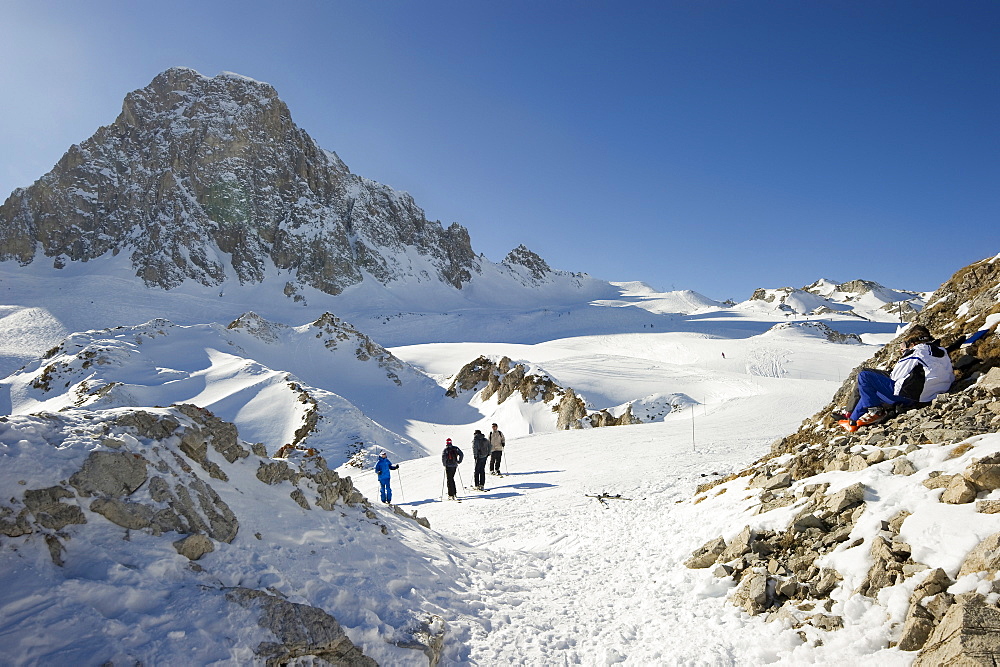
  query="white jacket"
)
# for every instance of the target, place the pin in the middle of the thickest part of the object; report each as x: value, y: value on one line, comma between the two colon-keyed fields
x: 923, y: 373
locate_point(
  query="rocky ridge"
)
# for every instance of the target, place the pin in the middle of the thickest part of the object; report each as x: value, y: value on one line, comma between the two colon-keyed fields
x: 783, y: 572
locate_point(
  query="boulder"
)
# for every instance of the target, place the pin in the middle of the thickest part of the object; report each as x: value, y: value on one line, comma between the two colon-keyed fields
x: 841, y: 500
x: 990, y: 382
x: 903, y: 466
x: 300, y: 631
x: 134, y: 516
x: 707, y: 554
x: 741, y: 545
x: 917, y: 628
x: 938, y: 481
x: 985, y: 557
x: 193, y: 547
x: 969, y: 634
x: 985, y: 476
x: 113, y: 474
x: 934, y: 582
x: 49, y: 511
x: 751, y: 595
x: 959, y: 492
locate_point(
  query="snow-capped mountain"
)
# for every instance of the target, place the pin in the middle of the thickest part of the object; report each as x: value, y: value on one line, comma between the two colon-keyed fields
x: 860, y: 298
x: 208, y: 179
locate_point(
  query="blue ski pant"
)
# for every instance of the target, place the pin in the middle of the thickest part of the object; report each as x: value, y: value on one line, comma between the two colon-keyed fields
x: 385, y: 490
x: 874, y: 388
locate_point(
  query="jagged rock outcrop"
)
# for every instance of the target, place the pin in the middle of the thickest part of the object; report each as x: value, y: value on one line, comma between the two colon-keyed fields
x: 504, y: 379
x: 200, y: 174
x: 536, y: 267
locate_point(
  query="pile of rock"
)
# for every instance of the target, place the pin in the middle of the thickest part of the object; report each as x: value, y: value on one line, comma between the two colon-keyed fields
x: 776, y: 570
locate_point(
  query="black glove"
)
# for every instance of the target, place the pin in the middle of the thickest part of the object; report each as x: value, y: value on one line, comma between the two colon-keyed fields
x: 393, y: 467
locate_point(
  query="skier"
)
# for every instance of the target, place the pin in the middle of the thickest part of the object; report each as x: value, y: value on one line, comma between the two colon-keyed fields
x: 922, y: 373
x: 497, y: 442
x: 451, y: 457
x: 382, y: 468
x: 481, y: 452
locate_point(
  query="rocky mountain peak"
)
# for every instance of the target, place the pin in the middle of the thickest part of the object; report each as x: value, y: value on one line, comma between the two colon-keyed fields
x: 209, y: 179
x: 522, y: 257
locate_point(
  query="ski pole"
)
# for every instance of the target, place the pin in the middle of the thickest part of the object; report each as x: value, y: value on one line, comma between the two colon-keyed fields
x: 460, y: 481
x: 399, y: 477
x: 505, y: 468
x: 444, y: 479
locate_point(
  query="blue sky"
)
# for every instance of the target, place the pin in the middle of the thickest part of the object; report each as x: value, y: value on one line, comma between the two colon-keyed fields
x: 705, y: 145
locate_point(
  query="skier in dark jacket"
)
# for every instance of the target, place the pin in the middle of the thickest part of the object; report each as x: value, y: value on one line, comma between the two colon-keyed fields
x: 382, y: 468
x: 451, y: 457
x: 922, y: 373
x: 481, y: 451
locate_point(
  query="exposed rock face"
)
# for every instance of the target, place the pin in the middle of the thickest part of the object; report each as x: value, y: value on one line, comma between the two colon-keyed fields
x: 504, y: 378
x: 198, y: 173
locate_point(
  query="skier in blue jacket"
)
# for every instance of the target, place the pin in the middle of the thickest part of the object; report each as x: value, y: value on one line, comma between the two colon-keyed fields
x: 382, y: 468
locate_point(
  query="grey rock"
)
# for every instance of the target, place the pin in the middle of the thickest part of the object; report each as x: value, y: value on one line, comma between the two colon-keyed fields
x: 990, y: 382
x: 134, y: 516
x: 193, y: 547
x: 938, y: 481
x: 826, y: 622
x: 276, y: 472
x: 49, y: 511
x: 300, y: 632
x: 828, y: 580
x: 941, y: 435
x: 300, y: 498
x: 114, y: 474
x: 935, y: 581
x: 751, y: 595
x: 903, y: 466
x: 740, y: 545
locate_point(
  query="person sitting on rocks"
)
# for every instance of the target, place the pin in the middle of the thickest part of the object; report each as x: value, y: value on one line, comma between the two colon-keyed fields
x: 922, y: 373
